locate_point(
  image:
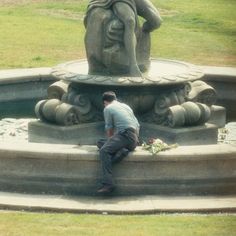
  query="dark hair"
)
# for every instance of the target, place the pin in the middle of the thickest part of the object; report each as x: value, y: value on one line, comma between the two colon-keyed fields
x: 109, y: 96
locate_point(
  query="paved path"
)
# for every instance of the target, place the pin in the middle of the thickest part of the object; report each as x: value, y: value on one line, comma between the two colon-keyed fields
x: 118, y: 205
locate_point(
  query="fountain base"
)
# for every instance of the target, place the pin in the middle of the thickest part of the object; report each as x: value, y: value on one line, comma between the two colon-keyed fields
x: 72, y: 169
x: 90, y: 133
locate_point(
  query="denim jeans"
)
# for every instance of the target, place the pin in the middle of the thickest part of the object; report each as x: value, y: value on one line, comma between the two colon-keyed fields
x: 126, y: 139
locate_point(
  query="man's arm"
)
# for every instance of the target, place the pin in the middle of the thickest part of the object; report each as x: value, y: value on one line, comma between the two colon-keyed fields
x: 110, y: 132
x: 108, y: 122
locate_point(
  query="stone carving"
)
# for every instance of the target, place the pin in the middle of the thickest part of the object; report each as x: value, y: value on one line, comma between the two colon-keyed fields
x: 202, y: 92
x: 188, y: 114
x: 118, y: 49
x: 57, y: 89
x: 174, y: 107
x: 169, y: 105
x: 161, y: 72
x: 114, y: 41
x: 55, y: 111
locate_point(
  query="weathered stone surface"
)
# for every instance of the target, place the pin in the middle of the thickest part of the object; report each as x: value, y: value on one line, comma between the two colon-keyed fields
x: 197, y: 135
x: 24, y: 75
x: 170, y: 86
x: 118, y: 205
x: 19, y: 127
x: 69, y: 169
x: 121, y: 45
x: 223, y: 79
x: 20, y: 89
x: 12, y: 130
x: 218, y: 116
x: 90, y: 133
x: 161, y: 72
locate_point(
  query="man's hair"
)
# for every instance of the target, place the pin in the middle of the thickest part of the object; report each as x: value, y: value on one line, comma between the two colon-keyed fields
x: 109, y: 96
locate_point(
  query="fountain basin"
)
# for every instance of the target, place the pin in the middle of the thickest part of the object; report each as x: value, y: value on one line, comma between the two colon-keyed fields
x: 72, y: 169
x: 21, y: 89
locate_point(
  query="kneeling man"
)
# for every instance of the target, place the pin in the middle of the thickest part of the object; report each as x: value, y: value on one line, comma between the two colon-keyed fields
x: 122, y: 129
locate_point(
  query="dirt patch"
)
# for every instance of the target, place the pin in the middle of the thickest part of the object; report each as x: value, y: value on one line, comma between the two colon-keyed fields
x: 167, y: 13
x: 17, y: 2
x: 65, y: 14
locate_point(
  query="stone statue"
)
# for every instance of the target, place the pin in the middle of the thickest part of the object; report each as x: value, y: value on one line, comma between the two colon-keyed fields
x: 160, y: 92
x: 115, y: 43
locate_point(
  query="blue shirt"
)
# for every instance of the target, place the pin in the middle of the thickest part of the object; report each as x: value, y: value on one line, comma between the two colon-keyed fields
x: 119, y: 116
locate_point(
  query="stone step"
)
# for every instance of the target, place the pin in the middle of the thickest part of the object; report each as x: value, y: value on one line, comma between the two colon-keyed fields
x: 118, y: 205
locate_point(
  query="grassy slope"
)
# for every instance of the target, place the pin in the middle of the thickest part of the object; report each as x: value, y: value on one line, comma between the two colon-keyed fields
x: 32, y: 37
x: 198, y: 31
x: 12, y: 224
x: 44, y: 33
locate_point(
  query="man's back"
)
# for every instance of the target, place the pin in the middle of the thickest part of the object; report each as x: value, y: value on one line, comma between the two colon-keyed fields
x: 120, y: 117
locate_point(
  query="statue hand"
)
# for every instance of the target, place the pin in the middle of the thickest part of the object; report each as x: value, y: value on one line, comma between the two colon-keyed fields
x: 146, y: 27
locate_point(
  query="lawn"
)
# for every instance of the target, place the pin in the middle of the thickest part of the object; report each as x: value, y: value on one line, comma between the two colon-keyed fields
x: 21, y: 224
x: 38, y: 33
x: 41, y: 33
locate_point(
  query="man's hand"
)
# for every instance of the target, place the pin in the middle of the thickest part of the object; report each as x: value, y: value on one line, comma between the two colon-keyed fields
x: 110, y: 133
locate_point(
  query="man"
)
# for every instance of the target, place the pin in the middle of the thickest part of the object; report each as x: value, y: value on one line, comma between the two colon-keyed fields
x: 127, y: 11
x: 122, y: 129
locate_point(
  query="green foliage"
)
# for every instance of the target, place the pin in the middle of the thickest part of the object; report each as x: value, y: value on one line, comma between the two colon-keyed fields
x: 201, y: 32
x: 36, y: 224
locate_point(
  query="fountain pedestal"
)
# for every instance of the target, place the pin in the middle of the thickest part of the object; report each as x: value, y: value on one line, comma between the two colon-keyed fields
x: 169, y: 101
x: 90, y: 133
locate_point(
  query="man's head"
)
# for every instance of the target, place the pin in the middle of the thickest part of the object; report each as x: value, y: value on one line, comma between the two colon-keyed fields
x: 108, y: 97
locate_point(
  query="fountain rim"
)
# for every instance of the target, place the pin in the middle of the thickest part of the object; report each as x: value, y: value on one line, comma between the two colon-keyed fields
x: 90, y: 152
x: 191, y: 154
x: 188, y: 72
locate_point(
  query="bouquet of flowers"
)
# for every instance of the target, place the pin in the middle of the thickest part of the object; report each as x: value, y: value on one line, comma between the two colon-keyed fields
x: 156, y: 145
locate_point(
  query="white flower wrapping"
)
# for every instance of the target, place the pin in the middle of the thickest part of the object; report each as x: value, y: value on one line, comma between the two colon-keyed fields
x: 156, y: 145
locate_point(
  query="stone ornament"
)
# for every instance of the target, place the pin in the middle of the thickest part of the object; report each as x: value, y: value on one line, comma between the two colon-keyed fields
x: 188, y: 114
x: 115, y: 42
x: 161, y: 72
x: 55, y: 111
x: 162, y: 92
x: 202, y: 92
x: 57, y: 89
x: 166, y: 105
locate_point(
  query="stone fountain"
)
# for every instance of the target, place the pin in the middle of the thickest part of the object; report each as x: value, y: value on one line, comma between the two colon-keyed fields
x: 170, y: 98
x: 167, y: 96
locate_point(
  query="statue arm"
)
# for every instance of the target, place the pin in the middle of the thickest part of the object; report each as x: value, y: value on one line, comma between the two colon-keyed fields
x: 149, y: 12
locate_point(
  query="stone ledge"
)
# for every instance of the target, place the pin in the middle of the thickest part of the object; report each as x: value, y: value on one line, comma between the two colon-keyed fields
x: 90, y: 133
x: 29, y: 74
x: 11, y: 76
x: 27, y: 84
x: 217, y: 73
x: 75, y: 170
x: 89, y: 152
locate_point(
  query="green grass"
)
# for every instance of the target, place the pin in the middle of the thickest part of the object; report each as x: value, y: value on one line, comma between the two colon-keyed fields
x: 19, y: 224
x: 40, y: 33
x: 47, y: 32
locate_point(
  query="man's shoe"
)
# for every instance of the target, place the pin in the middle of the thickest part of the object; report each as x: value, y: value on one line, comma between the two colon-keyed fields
x: 106, y: 189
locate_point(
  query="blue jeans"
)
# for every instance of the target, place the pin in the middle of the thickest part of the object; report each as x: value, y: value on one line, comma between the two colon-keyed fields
x: 126, y: 139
